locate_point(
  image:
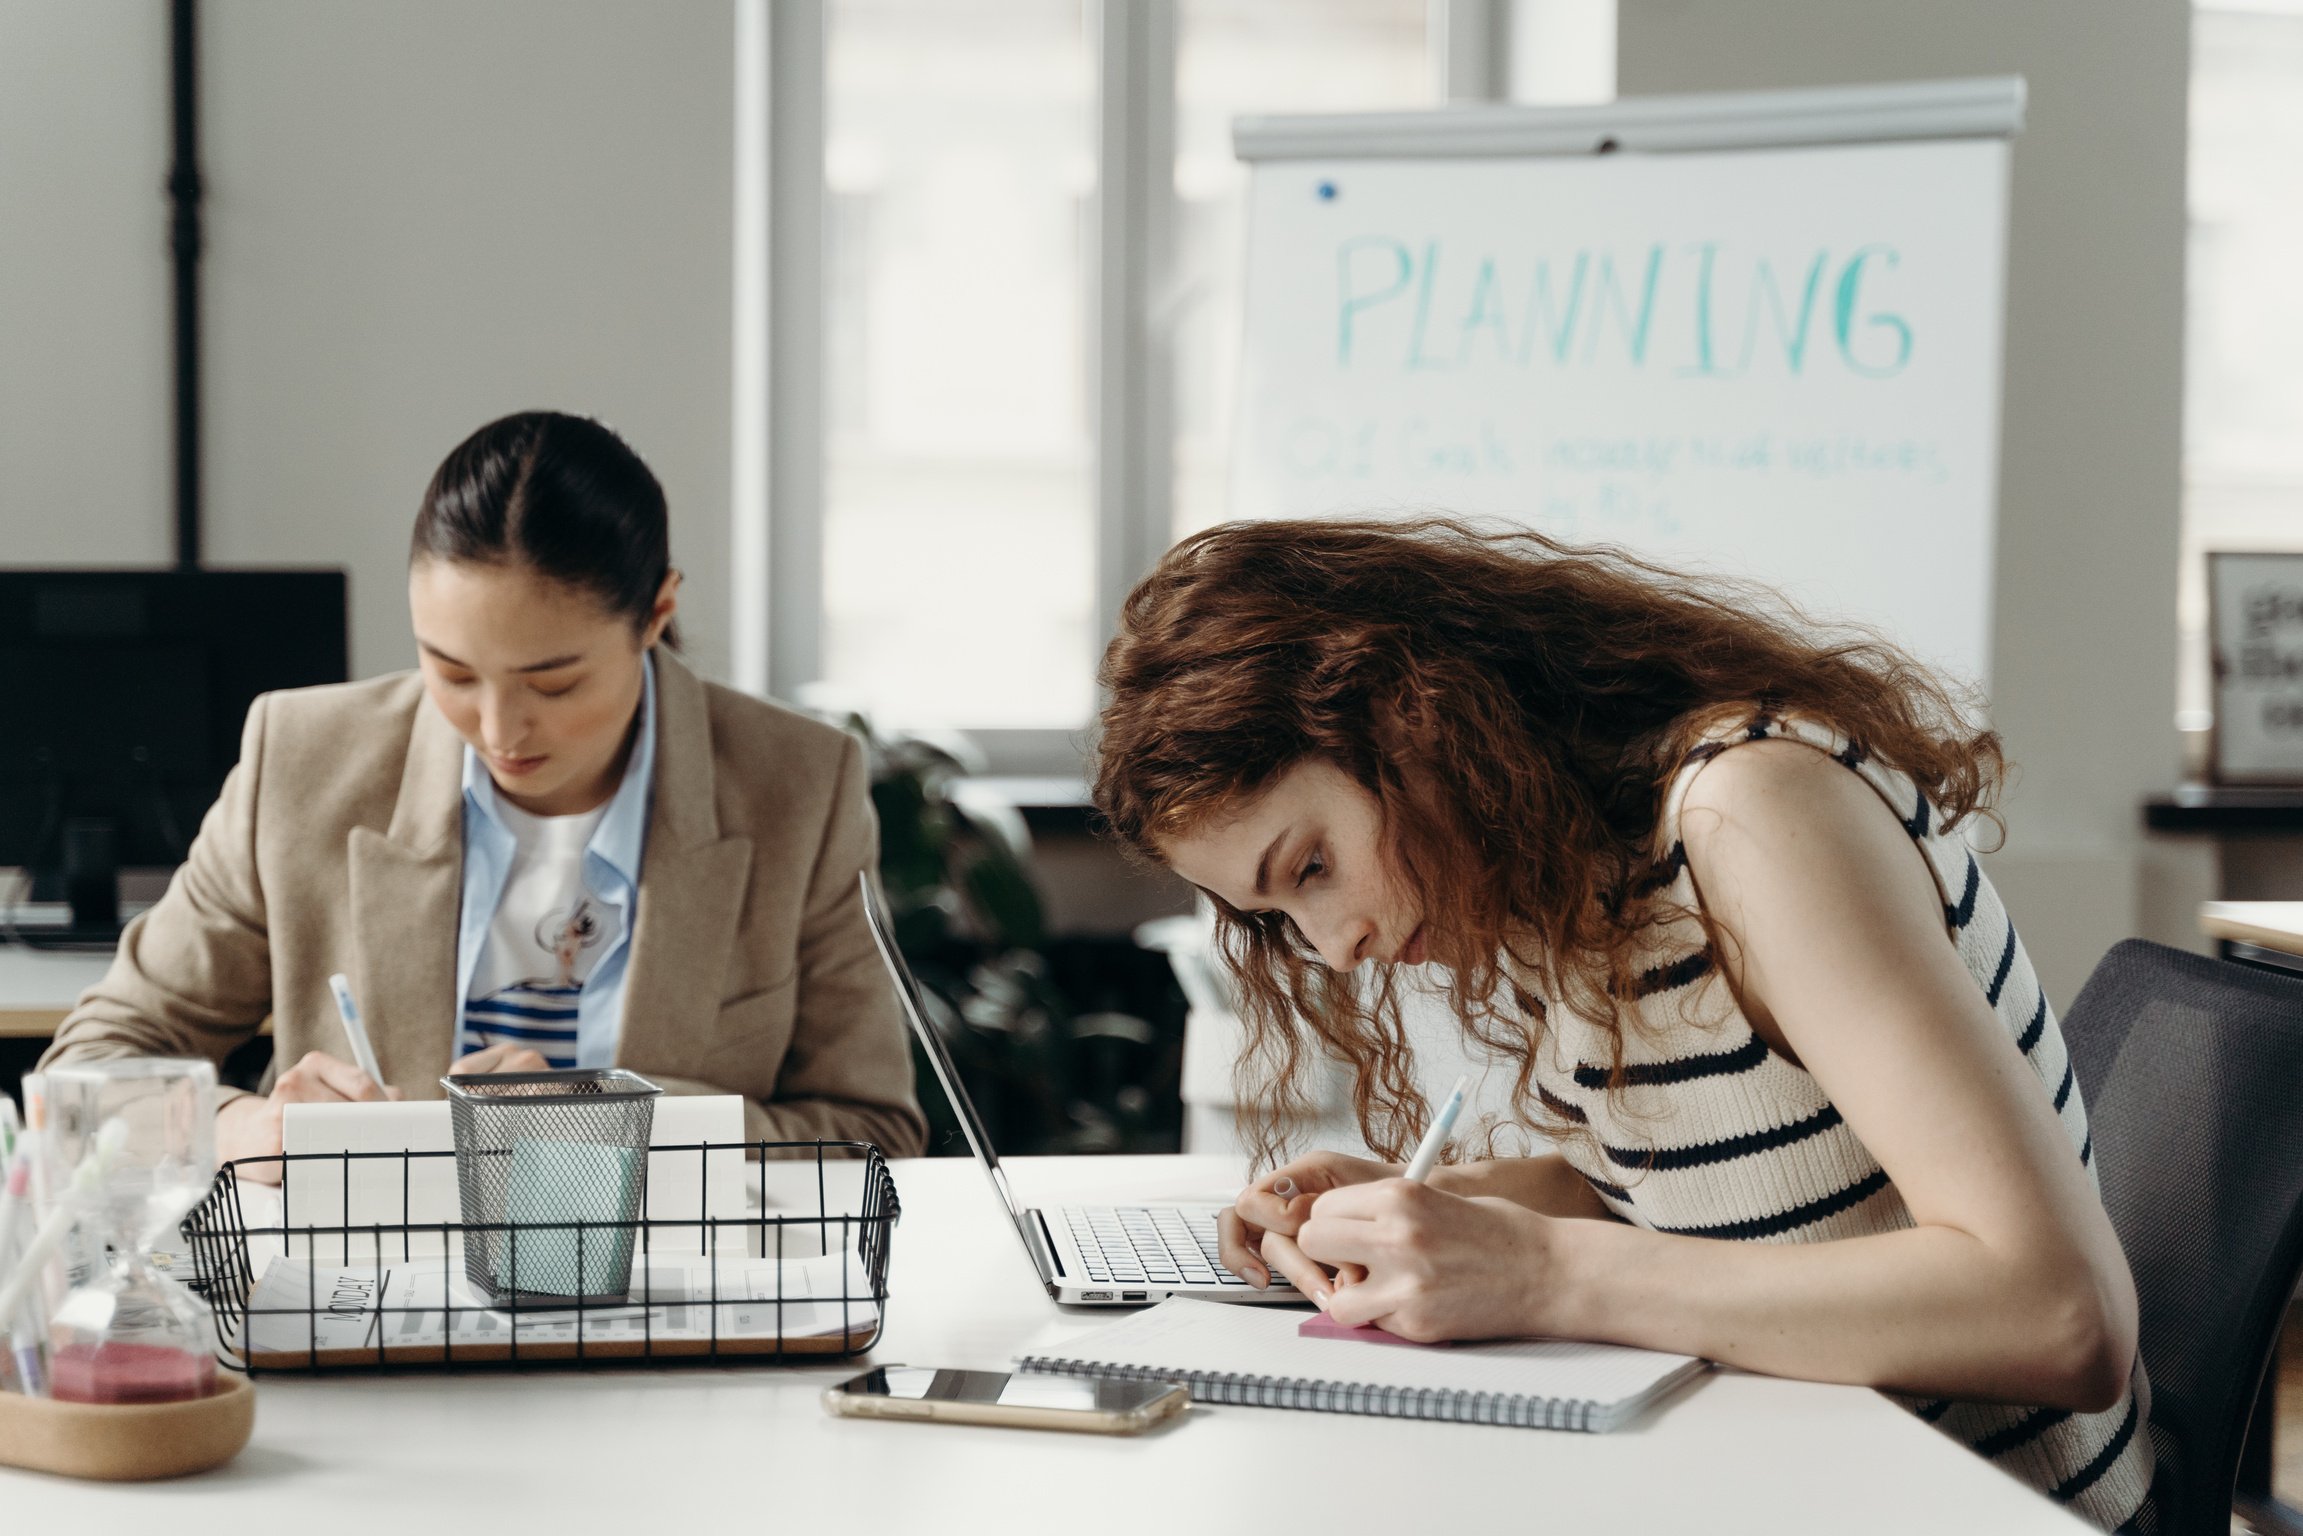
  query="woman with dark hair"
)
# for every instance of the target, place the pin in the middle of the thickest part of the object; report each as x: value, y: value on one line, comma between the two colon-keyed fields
x: 1702, y: 877
x: 550, y: 846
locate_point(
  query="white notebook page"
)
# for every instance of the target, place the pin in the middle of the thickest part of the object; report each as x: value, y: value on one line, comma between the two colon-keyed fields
x: 422, y: 1192
x: 1216, y: 1338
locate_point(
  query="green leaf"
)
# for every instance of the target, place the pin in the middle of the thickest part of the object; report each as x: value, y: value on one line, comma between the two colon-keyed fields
x: 1006, y: 899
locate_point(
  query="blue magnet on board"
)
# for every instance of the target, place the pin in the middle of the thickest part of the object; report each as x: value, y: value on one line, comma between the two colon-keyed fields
x: 1326, y: 191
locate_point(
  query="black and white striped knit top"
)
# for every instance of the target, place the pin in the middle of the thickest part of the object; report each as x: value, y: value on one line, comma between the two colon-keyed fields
x: 1714, y: 1134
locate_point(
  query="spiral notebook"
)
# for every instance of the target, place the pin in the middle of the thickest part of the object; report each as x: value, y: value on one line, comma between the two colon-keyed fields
x: 1252, y: 1356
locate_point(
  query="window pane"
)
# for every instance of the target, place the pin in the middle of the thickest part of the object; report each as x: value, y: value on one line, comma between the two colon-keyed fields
x: 2243, y: 395
x: 1252, y: 56
x: 958, y: 529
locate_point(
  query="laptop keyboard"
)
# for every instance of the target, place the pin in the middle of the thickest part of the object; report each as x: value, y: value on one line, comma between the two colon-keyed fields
x: 1140, y: 1245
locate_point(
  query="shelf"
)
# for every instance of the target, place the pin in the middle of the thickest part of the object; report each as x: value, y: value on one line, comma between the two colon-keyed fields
x: 2226, y: 808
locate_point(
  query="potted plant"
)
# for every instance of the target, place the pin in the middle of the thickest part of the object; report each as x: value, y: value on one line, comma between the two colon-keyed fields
x: 1069, y: 1044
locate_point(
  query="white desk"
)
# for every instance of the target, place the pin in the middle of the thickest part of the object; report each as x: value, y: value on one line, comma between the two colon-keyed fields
x: 740, y: 1449
x: 39, y: 986
x: 2273, y: 925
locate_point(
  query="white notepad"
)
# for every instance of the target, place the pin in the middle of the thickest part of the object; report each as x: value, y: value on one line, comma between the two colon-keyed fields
x: 1252, y: 1356
x: 394, y: 1194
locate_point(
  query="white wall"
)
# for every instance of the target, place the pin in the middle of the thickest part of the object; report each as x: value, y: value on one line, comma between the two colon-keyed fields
x: 429, y: 213
x: 86, y: 462
x: 421, y: 215
x: 1560, y: 52
x: 2084, y: 656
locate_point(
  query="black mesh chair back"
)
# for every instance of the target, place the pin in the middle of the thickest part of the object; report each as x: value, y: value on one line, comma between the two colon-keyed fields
x: 2193, y: 1075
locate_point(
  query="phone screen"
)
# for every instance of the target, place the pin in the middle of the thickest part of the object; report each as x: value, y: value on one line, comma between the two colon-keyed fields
x: 1080, y: 1394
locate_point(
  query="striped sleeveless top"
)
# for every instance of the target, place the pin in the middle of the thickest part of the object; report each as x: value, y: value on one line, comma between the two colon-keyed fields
x: 1713, y: 1134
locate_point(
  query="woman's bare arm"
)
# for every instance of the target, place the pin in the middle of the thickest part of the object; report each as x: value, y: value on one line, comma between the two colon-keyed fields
x: 2011, y: 1285
x: 1548, y: 1184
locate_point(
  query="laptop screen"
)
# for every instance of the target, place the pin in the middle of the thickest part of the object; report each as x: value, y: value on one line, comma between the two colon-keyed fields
x: 947, y: 1073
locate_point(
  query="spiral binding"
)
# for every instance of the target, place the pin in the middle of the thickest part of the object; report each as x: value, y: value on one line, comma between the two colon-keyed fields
x: 1319, y: 1396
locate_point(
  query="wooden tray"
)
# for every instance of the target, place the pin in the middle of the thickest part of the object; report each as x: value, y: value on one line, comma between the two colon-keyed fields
x: 127, y: 1442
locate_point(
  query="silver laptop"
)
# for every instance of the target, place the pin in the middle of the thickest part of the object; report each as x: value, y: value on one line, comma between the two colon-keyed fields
x: 1087, y: 1255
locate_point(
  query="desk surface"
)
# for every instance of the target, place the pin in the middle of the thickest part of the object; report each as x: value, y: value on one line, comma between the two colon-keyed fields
x: 39, y: 986
x: 2271, y: 924
x: 730, y: 1448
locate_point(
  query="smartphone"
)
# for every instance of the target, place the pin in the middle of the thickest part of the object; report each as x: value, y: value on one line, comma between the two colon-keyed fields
x: 1095, y: 1405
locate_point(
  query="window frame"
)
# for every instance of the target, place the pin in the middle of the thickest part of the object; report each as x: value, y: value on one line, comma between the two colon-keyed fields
x: 777, y: 548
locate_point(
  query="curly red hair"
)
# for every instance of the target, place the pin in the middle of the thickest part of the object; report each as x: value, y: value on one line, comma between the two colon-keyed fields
x: 1516, y: 706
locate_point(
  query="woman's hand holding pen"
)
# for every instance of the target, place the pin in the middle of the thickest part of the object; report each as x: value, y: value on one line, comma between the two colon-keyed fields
x: 1280, y: 1204
x: 1435, y: 1265
x: 249, y: 1125
x: 500, y: 1058
x: 1258, y: 1233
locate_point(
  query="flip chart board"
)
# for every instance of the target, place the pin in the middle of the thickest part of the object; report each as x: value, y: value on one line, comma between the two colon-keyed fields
x: 1759, y: 336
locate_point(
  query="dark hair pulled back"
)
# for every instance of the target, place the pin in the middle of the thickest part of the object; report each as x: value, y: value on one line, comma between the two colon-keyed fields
x: 562, y: 495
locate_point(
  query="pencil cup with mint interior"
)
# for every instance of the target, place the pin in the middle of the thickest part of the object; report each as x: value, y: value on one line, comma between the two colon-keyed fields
x: 552, y: 1170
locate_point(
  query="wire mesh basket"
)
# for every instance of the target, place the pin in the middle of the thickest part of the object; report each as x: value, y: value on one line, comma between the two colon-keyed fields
x: 536, y: 1150
x: 335, y: 1261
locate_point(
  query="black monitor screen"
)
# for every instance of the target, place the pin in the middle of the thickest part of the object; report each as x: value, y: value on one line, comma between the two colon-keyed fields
x: 122, y: 695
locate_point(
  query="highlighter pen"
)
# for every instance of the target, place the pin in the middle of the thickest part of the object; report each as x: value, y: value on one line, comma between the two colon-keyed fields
x: 363, y: 1054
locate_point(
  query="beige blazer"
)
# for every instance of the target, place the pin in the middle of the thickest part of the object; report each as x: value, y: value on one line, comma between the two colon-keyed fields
x: 337, y: 845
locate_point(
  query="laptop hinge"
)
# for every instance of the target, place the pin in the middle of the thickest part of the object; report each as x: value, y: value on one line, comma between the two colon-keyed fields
x: 1037, y: 1234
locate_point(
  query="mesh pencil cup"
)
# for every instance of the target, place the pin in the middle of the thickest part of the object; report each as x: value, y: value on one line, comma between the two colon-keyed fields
x: 552, y: 1170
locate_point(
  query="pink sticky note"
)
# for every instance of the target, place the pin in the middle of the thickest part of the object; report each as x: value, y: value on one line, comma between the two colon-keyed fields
x: 1320, y: 1326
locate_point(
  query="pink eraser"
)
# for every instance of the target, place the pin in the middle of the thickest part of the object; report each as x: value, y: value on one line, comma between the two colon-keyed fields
x: 1320, y: 1326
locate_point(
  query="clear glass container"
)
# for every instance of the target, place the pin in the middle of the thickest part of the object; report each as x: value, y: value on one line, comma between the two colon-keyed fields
x: 169, y: 1108
x: 126, y: 1332
x: 131, y: 1335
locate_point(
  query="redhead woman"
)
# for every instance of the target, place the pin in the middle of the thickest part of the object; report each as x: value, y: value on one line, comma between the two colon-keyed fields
x: 1701, y: 877
x: 550, y: 845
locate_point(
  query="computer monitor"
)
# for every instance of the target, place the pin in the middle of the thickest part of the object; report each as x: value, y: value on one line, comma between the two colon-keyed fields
x: 122, y: 695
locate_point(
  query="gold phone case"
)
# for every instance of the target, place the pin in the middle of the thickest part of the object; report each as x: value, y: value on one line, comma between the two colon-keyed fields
x: 860, y: 1405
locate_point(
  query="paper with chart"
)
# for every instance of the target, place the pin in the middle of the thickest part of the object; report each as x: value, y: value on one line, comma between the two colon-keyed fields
x: 1781, y: 364
x: 344, y: 1315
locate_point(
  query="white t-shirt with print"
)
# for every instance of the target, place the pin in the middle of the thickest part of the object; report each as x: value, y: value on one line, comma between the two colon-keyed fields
x: 548, y: 933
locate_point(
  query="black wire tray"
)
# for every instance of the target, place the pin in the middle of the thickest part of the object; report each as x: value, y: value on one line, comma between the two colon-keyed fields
x: 802, y: 1285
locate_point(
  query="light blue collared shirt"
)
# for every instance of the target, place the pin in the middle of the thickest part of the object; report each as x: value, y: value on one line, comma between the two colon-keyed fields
x: 611, y: 874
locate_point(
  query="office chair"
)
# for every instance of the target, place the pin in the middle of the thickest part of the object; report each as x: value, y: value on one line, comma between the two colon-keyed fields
x: 2193, y: 1075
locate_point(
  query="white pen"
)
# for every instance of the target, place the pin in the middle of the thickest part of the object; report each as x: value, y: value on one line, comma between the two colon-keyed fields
x: 1427, y: 1151
x: 363, y: 1054
x: 1434, y: 1141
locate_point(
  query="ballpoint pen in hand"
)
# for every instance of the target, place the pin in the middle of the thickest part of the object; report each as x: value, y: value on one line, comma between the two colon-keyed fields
x: 1434, y: 1143
x: 1427, y: 1152
x: 363, y: 1054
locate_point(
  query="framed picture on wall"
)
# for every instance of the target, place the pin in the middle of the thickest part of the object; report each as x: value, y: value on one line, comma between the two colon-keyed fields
x: 2255, y: 658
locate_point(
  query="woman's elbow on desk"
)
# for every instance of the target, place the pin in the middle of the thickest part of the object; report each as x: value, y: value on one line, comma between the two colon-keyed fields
x: 2088, y: 1350
x: 2050, y: 1332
